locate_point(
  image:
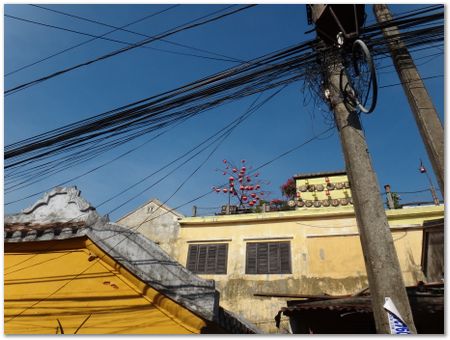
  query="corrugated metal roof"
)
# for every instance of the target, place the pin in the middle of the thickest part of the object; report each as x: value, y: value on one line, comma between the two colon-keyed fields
x: 421, y: 296
x: 361, y: 304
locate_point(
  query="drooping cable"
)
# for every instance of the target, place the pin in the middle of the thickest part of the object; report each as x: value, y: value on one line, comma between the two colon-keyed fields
x: 217, y: 55
x: 105, y: 131
x: 148, y: 16
x: 177, y: 29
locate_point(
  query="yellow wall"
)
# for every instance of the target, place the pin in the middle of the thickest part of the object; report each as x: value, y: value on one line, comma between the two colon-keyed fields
x: 308, y: 230
x: 43, y: 285
x: 326, y: 254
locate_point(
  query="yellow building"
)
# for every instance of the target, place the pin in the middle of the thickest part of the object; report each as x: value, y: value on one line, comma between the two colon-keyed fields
x: 69, y: 271
x: 260, y: 260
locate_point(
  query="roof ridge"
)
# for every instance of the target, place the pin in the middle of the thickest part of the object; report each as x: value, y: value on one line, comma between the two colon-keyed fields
x: 61, y: 204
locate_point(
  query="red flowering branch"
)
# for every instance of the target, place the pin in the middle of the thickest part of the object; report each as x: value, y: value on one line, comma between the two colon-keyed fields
x: 288, y: 189
x: 243, y: 185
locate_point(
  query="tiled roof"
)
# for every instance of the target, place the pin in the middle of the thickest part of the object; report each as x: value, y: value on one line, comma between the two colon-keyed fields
x: 28, y: 231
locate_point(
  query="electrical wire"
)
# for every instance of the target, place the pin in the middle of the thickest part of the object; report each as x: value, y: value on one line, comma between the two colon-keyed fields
x: 222, y: 56
x: 152, y: 109
x: 46, y: 175
x: 89, y: 40
x: 103, y: 37
x: 148, y: 219
x: 219, y: 140
x: 58, y: 289
x: 134, y: 229
x: 116, y: 127
x: 412, y: 81
x: 214, y: 138
x: 170, y: 32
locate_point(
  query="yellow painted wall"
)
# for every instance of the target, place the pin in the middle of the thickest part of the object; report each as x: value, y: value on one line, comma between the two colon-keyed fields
x: 43, y: 285
x: 342, y: 257
x: 325, y: 249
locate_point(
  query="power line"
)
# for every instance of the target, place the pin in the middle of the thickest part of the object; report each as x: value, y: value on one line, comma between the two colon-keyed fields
x: 101, y: 37
x: 266, y: 163
x: 125, y: 49
x: 431, y: 57
x: 254, y: 170
x: 414, y: 12
x: 281, y: 67
x: 409, y: 192
x: 151, y: 109
x: 90, y: 40
x: 184, y: 204
x: 43, y: 175
x: 85, y: 270
x: 227, y: 58
x: 164, y: 213
x: 401, y: 83
x: 46, y: 174
x: 219, y: 140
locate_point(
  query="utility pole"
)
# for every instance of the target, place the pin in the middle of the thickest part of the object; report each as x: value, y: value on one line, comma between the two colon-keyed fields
x: 432, y: 189
x: 382, y: 265
x: 427, y: 119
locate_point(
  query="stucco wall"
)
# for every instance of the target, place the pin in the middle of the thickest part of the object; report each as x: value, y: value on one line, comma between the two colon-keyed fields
x: 326, y: 255
x: 157, y: 224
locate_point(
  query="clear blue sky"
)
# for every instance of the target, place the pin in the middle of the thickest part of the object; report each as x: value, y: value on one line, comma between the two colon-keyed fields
x: 394, y: 142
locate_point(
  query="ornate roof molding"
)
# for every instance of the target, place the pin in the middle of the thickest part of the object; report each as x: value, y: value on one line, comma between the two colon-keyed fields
x: 62, y: 204
x: 73, y: 196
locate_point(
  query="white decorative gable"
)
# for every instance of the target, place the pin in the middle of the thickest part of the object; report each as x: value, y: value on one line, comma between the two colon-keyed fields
x: 59, y: 205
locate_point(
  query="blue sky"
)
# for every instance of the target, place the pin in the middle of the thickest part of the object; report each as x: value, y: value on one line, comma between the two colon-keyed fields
x: 284, y: 122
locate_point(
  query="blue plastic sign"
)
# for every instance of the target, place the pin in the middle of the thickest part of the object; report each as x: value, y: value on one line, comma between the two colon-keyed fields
x: 396, y: 324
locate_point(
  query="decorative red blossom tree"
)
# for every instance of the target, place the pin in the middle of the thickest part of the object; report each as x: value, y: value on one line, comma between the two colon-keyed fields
x: 243, y: 186
x: 289, y: 189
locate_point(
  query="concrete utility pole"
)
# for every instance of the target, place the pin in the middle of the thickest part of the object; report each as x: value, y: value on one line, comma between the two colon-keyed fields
x: 382, y: 265
x: 427, y: 119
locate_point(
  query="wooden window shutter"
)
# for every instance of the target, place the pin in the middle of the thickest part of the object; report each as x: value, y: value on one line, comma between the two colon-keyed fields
x: 211, y: 258
x: 250, y: 267
x: 207, y: 258
x: 192, y: 258
x: 222, y: 257
x: 268, y: 258
x: 274, y: 258
x: 262, y: 258
x: 285, y: 258
x: 201, y: 263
